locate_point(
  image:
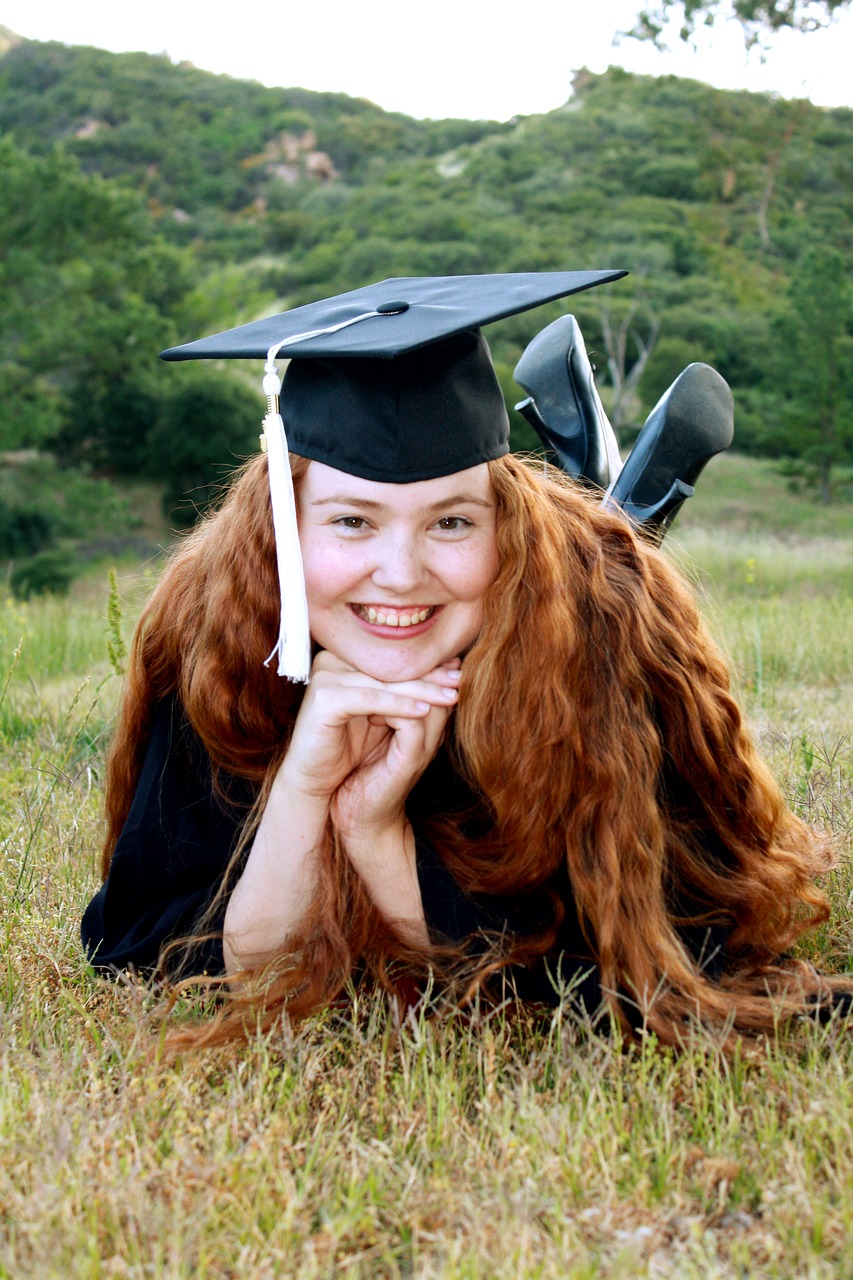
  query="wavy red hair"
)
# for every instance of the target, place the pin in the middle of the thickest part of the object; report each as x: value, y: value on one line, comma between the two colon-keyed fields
x: 593, y: 643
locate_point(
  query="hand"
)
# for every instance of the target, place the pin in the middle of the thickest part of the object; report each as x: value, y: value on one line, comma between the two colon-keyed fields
x: 362, y: 743
x: 397, y: 750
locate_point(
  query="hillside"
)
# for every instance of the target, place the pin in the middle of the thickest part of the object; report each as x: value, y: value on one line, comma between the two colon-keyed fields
x: 194, y: 141
x: 145, y: 203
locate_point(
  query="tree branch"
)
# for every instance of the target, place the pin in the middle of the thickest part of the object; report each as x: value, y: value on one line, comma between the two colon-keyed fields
x: 758, y: 18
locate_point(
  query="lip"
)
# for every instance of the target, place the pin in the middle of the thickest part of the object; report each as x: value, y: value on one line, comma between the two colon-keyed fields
x: 391, y: 632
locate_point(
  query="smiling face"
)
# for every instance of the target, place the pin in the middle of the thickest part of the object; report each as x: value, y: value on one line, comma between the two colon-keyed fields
x: 396, y: 573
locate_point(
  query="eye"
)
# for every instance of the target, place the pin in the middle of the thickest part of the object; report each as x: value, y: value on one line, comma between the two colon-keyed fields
x: 452, y: 524
x: 350, y: 522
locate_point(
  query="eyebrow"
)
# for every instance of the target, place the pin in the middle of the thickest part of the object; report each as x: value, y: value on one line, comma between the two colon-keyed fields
x: 369, y: 504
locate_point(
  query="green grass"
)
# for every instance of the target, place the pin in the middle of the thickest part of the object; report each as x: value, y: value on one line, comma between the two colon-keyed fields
x: 489, y: 1147
x: 749, y: 495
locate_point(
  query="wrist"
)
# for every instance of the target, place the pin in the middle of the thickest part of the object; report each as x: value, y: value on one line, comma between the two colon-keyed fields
x: 301, y: 788
x: 386, y: 830
x: 385, y: 859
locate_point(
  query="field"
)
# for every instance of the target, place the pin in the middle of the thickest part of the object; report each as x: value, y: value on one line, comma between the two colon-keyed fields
x: 494, y: 1147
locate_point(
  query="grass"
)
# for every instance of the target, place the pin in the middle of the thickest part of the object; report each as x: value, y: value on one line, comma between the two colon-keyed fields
x: 496, y: 1146
x: 748, y: 495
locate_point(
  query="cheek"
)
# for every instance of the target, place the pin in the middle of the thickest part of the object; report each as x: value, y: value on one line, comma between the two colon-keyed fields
x: 476, y: 573
x: 481, y: 573
x: 329, y: 572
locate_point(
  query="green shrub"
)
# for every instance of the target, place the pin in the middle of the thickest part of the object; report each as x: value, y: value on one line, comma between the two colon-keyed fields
x: 40, y: 500
x: 48, y: 573
x: 23, y: 530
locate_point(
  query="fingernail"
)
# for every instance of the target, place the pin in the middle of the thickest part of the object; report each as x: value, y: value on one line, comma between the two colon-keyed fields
x: 422, y: 706
x: 453, y: 676
x: 450, y: 694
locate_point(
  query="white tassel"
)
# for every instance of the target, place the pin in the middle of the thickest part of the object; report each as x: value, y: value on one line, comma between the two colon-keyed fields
x: 293, y: 647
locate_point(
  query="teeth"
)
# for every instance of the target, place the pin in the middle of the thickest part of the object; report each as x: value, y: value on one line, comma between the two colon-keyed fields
x: 390, y: 619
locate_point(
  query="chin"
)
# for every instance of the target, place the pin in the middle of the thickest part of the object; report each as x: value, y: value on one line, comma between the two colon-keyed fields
x: 392, y: 663
x: 391, y: 660
x: 394, y: 668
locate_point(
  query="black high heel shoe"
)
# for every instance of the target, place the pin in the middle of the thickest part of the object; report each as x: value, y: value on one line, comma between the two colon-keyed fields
x: 563, y: 404
x: 692, y: 421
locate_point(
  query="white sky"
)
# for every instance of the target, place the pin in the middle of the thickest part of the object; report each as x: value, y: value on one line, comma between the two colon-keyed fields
x: 488, y: 59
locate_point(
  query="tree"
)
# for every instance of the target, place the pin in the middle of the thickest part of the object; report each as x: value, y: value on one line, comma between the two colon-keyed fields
x: 759, y: 18
x: 207, y: 425
x: 814, y: 370
x: 86, y: 290
x: 630, y: 329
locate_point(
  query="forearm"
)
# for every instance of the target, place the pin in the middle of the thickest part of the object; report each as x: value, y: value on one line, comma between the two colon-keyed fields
x: 279, y: 881
x: 385, y: 860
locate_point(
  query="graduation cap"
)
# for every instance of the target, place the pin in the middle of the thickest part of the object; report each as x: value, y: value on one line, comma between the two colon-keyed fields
x: 391, y: 382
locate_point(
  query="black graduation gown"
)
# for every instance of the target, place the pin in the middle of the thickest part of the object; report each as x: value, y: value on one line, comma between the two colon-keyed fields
x: 170, y: 857
x: 180, y: 835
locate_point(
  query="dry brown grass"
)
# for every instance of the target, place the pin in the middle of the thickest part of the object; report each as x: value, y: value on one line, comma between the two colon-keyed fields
x: 498, y: 1146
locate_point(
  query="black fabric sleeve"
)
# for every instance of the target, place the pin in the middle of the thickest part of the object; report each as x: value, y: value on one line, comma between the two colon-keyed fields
x: 168, y: 861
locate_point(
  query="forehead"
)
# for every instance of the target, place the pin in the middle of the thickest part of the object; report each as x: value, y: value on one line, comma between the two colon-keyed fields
x: 325, y: 484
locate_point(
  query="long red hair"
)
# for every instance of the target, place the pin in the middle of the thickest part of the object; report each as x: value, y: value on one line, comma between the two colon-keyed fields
x: 593, y: 678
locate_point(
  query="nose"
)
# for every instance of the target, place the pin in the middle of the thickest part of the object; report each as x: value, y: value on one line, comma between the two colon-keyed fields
x: 401, y: 566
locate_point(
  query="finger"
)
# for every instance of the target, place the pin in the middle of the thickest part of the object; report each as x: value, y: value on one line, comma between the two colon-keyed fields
x: 436, y: 692
x: 434, y: 729
x: 335, y: 704
x: 327, y: 666
x: 326, y: 676
x: 327, y: 661
x: 449, y: 676
x: 440, y: 688
x: 418, y: 740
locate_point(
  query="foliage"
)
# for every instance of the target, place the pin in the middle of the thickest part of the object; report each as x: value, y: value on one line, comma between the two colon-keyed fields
x: 49, y: 572
x: 85, y: 287
x: 758, y: 18
x: 815, y: 370
x: 40, y: 500
x: 46, y: 514
x: 207, y: 425
x: 145, y: 203
x: 23, y: 530
x: 116, y: 647
x: 197, y: 141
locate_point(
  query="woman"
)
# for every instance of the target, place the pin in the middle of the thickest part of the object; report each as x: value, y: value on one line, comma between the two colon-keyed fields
x: 517, y: 754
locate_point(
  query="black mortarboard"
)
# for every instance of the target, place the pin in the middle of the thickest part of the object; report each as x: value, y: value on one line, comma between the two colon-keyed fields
x: 392, y: 382
x: 432, y: 308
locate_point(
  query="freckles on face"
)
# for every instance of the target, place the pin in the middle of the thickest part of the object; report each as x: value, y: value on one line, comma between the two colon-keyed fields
x: 396, y: 574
